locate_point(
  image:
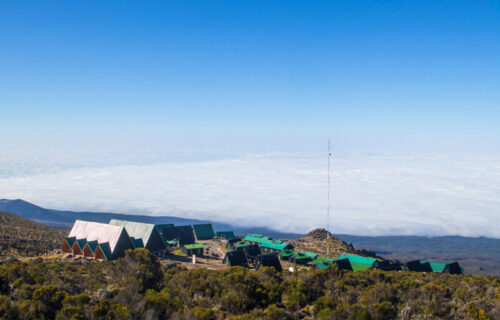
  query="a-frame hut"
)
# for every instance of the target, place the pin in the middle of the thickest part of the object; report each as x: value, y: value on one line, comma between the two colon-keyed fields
x: 182, y: 234
x: 203, y: 231
x: 112, y: 240
x: 268, y: 260
x: 146, y: 232
x: 68, y: 245
x: 236, y: 258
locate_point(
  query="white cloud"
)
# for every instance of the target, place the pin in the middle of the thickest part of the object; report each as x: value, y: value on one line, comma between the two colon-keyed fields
x: 370, y: 195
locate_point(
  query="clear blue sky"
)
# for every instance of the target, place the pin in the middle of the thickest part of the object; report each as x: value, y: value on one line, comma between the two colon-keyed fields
x: 251, y: 76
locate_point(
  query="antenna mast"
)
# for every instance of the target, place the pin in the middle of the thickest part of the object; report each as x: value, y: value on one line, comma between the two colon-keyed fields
x: 328, y: 204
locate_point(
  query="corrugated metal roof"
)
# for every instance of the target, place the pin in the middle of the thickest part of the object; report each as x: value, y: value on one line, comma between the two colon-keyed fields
x: 275, y: 244
x: 226, y: 234
x: 94, y: 231
x: 203, y: 231
x: 256, y: 238
x: 309, y: 254
x: 435, y: 265
x: 358, y: 259
x: 194, y: 246
x: 138, y: 230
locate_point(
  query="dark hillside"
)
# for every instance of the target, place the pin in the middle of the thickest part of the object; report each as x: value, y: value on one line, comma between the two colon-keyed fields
x: 19, y: 236
x: 65, y: 219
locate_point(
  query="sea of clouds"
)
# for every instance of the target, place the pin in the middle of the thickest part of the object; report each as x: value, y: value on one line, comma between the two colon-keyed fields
x: 370, y: 195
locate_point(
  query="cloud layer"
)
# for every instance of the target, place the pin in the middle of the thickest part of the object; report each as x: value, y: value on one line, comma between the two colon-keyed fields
x: 375, y: 195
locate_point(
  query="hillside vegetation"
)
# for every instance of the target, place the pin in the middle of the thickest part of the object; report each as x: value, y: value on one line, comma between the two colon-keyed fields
x: 19, y: 236
x: 138, y: 287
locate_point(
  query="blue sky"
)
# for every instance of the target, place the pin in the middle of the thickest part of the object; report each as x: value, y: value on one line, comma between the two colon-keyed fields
x: 222, y: 110
x: 271, y: 75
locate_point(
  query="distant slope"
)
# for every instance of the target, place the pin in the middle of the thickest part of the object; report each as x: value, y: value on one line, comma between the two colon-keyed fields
x: 476, y: 255
x: 19, y: 236
x: 65, y: 219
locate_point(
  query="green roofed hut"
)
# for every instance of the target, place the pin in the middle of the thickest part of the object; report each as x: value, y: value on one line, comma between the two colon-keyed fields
x: 359, y: 263
x: 435, y: 266
x: 182, y: 234
x: 193, y: 249
x: 268, y: 260
x: 203, y: 231
x: 146, y: 232
x: 299, y: 258
x: 321, y: 262
x: 228, y: 235
x: 236, y: 258
x: 275, y: 246
x: 286, y: 254
x: 256, y: 238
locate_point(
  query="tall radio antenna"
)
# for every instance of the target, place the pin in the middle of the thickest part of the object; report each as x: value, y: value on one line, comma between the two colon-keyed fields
x: 328, y: 204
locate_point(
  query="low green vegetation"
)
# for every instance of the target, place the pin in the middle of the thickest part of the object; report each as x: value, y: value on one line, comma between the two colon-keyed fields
x: 138, y: 287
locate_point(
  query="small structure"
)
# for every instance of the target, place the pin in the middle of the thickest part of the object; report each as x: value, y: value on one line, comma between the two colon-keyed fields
x: 203, y: 231
x: 228, y: 235
x: 78, y: 246
x: 68, y: 245
x: 236, y: 258
x: 434, y: 266
x: 359, y: 263
x: 195, y: 249
x: 299, y: 258
x: 321, y: 262
x: 89, y: 249
x: 275, y: 246
x: 286, y: 254
x: 161, y: 228
x: 256, y: 238
x: 268, y: 260
x: 146, y: 232
x: 112, y: 241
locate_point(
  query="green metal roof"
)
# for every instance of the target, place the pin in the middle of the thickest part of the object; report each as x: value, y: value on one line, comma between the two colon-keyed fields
x: 358, y: 259
x: 241, y: 244
x: 322, y: 260
x: 436, y: 266
x: 286, y: 253
x: 274, y: 244
x: 359, y: 266
x: 203, y: 231
x: 70, y: 241
x: 300, y: 255
x: 256, y: 238
x: 226, y: 234
x: 138, y: 230
x: 194, y: 246
x: 309, y: 254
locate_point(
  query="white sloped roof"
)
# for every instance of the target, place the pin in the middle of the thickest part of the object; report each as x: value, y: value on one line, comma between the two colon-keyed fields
x: 94, y: 231
x: 138, y: 230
